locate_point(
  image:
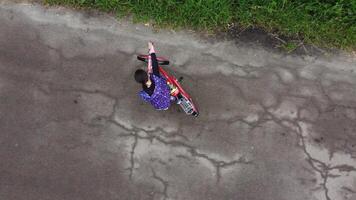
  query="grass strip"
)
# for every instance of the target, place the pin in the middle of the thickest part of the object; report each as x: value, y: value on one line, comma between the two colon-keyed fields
x: 325, y: 23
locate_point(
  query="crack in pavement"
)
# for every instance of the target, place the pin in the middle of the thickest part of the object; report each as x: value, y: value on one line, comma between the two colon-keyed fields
x: 132, y: 154
x: 348, y: 189
x: 218, y: 164
x: 333, y: 105
x: 316, y: 164
x: 162, y: 181
x: 322, y: 168
x: 343, y: 168
x: 325, y: 176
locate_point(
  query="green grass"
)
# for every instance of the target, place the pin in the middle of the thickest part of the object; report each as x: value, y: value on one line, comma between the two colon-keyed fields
x: 325, y: 23
x: 289, y: 46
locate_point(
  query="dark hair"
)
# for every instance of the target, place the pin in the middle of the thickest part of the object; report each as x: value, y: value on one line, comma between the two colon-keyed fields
x: 141, y: 76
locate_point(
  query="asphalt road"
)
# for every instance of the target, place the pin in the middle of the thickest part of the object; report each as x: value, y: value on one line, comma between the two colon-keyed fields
x: 272, y: 126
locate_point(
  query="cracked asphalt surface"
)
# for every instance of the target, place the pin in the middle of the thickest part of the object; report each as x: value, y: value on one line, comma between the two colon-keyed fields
x: 272, y: 126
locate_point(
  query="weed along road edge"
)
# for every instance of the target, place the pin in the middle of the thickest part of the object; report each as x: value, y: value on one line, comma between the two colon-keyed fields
x: 271, y: 126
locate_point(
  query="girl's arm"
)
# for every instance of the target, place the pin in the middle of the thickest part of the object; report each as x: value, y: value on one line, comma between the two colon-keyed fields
x: 153, y: 63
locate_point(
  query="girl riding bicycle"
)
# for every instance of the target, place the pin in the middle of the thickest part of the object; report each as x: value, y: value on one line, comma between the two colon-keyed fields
x: 154, y: 87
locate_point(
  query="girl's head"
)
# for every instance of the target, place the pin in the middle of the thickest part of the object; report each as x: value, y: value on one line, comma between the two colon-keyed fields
x: 141, y: 76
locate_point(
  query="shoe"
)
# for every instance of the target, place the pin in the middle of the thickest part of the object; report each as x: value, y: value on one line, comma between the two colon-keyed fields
x: 151, y: 48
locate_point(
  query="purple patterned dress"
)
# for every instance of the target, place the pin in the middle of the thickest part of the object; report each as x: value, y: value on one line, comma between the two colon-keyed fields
x: 160, y: 99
